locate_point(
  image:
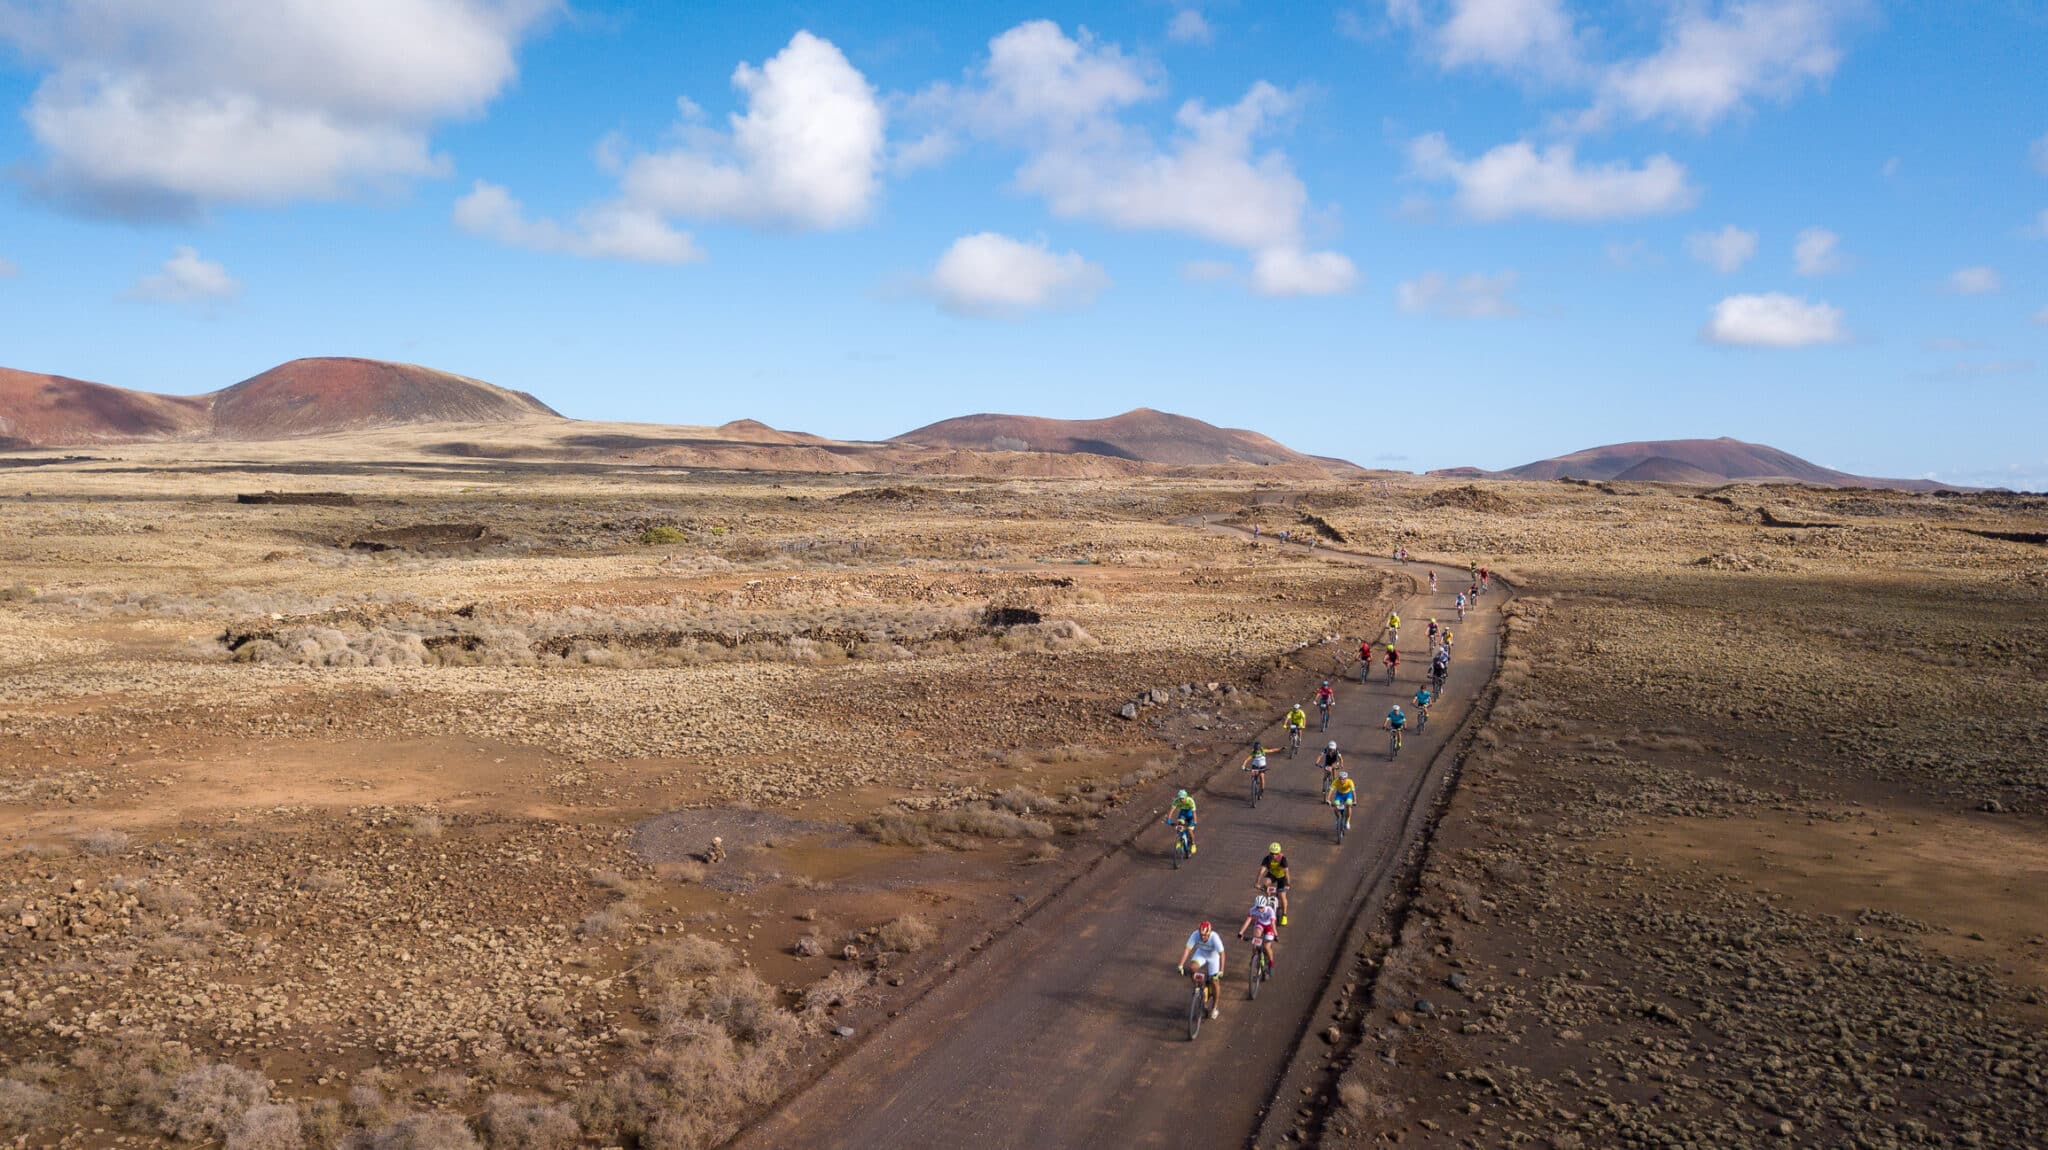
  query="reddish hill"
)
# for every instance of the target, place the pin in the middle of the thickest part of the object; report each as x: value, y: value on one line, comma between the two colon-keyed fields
x: 1664, y: 469
x: 311, y: 396
x: 1701, y: 460
x: 39, y: 409
x: 303, y: 397
x: 1143, y: 435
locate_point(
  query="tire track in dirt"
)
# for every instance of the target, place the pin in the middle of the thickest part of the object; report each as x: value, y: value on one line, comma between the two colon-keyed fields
x: 1069, y: 1029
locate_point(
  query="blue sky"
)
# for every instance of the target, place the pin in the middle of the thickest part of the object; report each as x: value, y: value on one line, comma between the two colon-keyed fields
x: 1416, y: 233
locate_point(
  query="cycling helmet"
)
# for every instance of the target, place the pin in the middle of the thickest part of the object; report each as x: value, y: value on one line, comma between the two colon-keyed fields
x: 1275, y: 848
x: 1332, y: 746
x: 1326, y: 682
x: 1397, y: 707
x: 1205, y: 925
x: 1297, y: 706
x: 1181, y: 795
x: 1259, y: 902
x: 1343, y: 774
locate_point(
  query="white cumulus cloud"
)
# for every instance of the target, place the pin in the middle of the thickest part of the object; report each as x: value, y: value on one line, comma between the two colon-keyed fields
x: 1725, y: 251
x: 1189, y: 26
x: 1061, y: 99
x: 608, y: 231
x: 806, y: 153
x: 155, y: 108
x: 1977, y: 280
x: 1817, y: 252
x: 989, y: 274
x: 1712, y: 63
x: 186, y: 278
x: 1286, y: 271
x: 1775, y: 320
x: 1474, y: 296
x: 1520, y: 179
x: 1533, y: 36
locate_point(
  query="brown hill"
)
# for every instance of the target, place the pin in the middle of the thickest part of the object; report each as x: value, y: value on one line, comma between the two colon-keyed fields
x: 1704, y: 460
x: 52, y: 409
x: 303, y: 397
x: 1664, y: 469
x: 313, y: 396
x: 1143, y: 436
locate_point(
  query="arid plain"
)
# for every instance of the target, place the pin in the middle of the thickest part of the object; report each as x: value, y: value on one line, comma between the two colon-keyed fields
x: 546, y: 803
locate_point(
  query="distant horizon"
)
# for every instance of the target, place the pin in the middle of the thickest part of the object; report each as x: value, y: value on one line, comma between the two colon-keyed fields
x: 777, y: 426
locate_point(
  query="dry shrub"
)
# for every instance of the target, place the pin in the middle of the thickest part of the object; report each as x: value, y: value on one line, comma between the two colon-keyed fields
x: 104, y: 841
x: 743, y: 1005
x: 686, y: 871
x: 907, y: 933
x: 1043, y: 853
x: 614, y: 882
x: 167, y: 899
x: 609, y: 921
x: 24, y: 1106
x: 842, y: 987
x: 320, y: 1123
x: 424, y: 826
x: 269, y: 1126
x: 432, y: 1131
x: 207, y: 1101
x: 950, y: 827
x: 132, y: 1075
x: 323, y: 879
x: 446, y: 1087
x: 686, y: 957
x: 512, y: 1122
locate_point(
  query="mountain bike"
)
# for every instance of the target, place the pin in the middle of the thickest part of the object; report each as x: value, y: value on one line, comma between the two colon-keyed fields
x: 1293, y: 741
x: 1390, y: 671
x: 1324, y: 709
x: 1198, y: 1002
x: 1343, y: 820
x: 1258, y: 784
x: 1261, y: 966
x: 1183, y: 842
x: 1393, y: 742
x: 1421, y: 719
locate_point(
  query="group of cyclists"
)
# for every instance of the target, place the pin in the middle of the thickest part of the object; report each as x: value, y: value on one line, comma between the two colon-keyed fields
x: 1203, y: 955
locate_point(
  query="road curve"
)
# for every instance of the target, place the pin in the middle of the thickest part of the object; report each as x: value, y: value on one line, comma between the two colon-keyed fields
x: 1069, y: 1030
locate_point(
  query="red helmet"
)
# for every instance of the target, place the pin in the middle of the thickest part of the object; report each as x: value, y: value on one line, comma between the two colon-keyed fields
x: 1206, y: 925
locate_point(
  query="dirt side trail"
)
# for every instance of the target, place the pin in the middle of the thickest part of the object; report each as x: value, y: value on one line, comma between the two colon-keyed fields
x: 1070, y: 1029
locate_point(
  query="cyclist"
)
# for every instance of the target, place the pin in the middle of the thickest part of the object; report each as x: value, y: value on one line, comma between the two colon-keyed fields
x: 1273, y: 873
x: 1396, y: 721
x: 1205, y: 947
x: 1432, y: 582
x: 1439, y: 667
x: 1445, y: 648
x: 1485, y: 579
x: 1330, y: 760
x: 1344, y: 793
x: 1393, y: 662
x: 1297, y: 722
x: 1255, y: 533
x: 1423, y: 698
x: 1433, y: 629
x: 1364, y: 659
x: 1183, y: 812
x: 1393, y: 627
x: 1256, y: 763
x: 1262, y: 922
x: 1325, y: 698
x: 1461, y: 604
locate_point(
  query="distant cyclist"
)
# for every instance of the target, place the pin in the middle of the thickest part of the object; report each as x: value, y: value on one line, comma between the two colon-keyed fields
x: 1423, y: 698
x: 1325, y: 699
x: 1364, y: 659
x: 1273, y: 873
x: 1205, y: 947
x: 1439, y: 669
x: 1461, y: 604
x: 1297, y: 722
x: 1393, y: 662
x: 1330, y: 761
x: 1432, y: 582
x: 1182, y: 813
x: 1262, y: 921
x: 1393, y: 627
x: 1433, y: 629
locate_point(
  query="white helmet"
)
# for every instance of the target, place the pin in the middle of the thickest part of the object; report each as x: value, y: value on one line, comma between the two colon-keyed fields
x: 1332, y: 746
x: 1260, y: 903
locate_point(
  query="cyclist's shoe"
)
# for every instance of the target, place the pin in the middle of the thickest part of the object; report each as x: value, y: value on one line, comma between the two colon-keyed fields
x: 1192, y: 848
x: 1215, y: 1012
x: 1283, y: 920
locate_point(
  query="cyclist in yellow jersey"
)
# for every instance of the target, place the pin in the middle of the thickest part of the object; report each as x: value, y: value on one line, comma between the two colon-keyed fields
x: 1273, y: 872
x: 1297, y: 718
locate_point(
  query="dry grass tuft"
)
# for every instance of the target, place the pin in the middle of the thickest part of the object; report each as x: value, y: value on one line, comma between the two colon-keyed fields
x: 104, y: 841
x: 513, y: 1122
x: 954, y: 827
x: 686, y: 871
x: 24, y: 1106
x: 432, y: 1131
x: 268, y: 1126
x: 612, y: 920
x: 688, y: 956
x: 907, y: 933
x: 210, y: 1100
x: 424, y: 826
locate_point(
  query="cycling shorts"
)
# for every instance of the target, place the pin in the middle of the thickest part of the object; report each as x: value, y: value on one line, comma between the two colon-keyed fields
x: 1270, y: 930
x: 1343, y: 799
x: 1212, y: 966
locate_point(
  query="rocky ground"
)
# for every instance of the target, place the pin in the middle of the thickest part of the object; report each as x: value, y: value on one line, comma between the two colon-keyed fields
x: 1751, y: 850
x: 597, y: 824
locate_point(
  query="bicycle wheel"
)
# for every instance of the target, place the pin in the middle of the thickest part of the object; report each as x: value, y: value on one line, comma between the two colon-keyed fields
x: 1258, y: 789
x: 1196, y: 1009
x: 1258, y: 972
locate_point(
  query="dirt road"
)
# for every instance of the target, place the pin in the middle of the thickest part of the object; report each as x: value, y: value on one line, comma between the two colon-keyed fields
x: 1070, y: 1030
